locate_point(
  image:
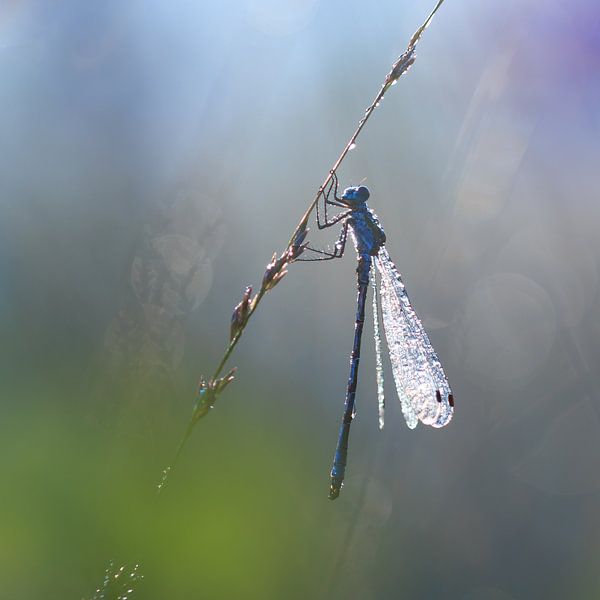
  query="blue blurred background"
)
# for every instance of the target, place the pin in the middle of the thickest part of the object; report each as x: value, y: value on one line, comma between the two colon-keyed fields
x: 154, y: 155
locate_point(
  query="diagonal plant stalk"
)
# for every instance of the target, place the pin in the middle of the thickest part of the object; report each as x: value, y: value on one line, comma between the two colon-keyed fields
x: 208, y: 391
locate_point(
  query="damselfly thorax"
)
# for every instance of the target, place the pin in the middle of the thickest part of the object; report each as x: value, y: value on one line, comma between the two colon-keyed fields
x: 367, y: 233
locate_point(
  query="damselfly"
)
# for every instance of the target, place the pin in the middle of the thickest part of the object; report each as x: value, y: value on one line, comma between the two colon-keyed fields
x: 420, y: 379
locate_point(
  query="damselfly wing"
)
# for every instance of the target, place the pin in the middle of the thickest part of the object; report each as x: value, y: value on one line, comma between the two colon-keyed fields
x: 421, y: 383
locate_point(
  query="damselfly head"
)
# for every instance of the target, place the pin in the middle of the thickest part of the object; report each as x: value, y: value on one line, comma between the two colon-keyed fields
x: 355, y: 196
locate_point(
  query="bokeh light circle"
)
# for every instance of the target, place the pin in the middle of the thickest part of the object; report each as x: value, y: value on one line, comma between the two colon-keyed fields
x: 509, y: 326
x: 566, y: 459
x: 564, y: 265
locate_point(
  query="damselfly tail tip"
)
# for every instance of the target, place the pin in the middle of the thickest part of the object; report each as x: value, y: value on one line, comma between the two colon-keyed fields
x: 334, y: 490
x: 451, y: 400
x: 336, y: 486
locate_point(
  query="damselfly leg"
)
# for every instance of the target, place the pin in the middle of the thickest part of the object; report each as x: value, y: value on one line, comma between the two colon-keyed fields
x: 326, y: 222
x: 338, y: 251
x: 325, y: 193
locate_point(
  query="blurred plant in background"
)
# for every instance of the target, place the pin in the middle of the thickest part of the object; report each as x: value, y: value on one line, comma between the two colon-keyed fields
x: 170, y: 275
x: 118, y: 583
